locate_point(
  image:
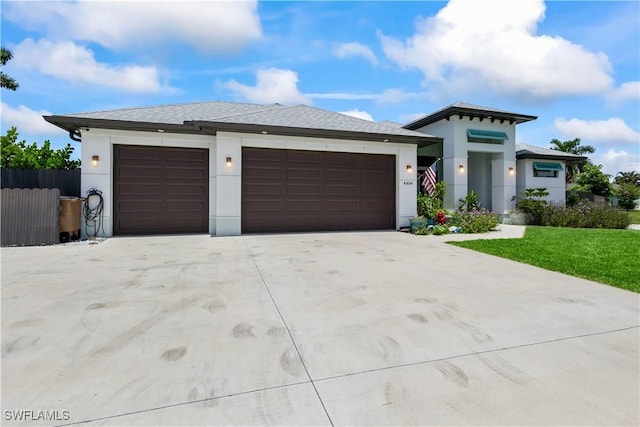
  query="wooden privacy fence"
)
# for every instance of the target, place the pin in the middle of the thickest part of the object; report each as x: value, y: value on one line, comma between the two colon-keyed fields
x: 68, y: 181
x: 30, y: 217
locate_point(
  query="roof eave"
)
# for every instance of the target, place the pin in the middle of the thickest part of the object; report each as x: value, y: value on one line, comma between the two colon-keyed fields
x: 530, y: 155
x: 472, y: 113
x: 212, y: 127
x: 71, y: 124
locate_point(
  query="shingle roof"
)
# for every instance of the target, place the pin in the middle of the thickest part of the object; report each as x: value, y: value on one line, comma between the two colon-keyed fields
x: 524, y: 151
x: 466, y: 109
x: 224, y: 115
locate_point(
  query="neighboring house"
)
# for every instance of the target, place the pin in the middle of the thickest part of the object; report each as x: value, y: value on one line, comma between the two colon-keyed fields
x: 231, y: 168
x: 539, y: 167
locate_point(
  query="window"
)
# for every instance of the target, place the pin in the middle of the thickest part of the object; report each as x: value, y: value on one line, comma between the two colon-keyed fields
x: 546, y: 170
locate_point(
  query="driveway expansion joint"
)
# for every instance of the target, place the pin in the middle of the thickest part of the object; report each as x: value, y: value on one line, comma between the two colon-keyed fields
x: 477, y: 353
x: 284, y: 322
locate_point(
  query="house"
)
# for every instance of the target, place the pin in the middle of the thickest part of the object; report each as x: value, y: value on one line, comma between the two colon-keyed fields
x: 229, y: 168
x: 539, y: 167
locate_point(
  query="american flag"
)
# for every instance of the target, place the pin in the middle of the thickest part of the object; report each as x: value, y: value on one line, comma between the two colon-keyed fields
x: 429, y: 180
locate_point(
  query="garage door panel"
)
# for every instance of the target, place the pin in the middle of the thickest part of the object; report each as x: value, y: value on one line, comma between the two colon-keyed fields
x: 185, y: 173
x: 343, y: 175
x: 140, y: 154
x: 304, y: 190
x: 160, y: 190
x: 346, y: 190
x: 304, y: 174
x: 182, y: 155
x: 186, y: 190
x: 139, y: 172
x: 138, y: 206
x: 343, y: 160
x: 127, y: 191
x: 315, y: 191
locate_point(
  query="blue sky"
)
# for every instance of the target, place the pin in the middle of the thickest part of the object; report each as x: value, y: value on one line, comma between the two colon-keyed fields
x: 576, y: 65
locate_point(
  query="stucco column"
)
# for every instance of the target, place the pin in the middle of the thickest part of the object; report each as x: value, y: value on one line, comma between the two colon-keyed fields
x: 503, y: 185
x: 456, y: 180
x: 227, y: 181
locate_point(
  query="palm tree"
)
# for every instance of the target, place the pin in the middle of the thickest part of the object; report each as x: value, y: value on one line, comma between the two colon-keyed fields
x: 6, y: 81
x: 631, y: 177
x: 573, y: 147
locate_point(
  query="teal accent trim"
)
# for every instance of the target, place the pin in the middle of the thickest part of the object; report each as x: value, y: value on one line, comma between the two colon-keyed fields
x: 547, y: 166
x: 487, y: 134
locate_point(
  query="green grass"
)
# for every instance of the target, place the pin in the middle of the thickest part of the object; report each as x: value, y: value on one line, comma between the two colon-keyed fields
x: 635, y: 217
x: 605, y: 256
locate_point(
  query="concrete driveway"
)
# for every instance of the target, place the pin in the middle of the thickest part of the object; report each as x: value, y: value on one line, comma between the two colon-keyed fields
x: 309, y: 329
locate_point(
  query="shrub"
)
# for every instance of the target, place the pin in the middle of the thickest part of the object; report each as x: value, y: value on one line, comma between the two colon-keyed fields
x: 476, y: 221
x: 428, y: 206
x: 532, y: 205
x: 627, y: 195
x: 440, y: 229
x: 585, y: 214
x: 421, y: 230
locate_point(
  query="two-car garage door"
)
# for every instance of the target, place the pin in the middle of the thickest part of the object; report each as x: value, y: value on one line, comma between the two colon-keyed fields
x: 295, y: 190
x: 162, y: 190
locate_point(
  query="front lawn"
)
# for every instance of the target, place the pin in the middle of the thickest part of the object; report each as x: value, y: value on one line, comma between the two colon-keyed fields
x: 605, y: 256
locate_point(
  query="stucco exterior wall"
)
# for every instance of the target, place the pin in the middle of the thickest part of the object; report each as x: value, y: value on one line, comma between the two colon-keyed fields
x: 555, y: 186
x: 225, y: 182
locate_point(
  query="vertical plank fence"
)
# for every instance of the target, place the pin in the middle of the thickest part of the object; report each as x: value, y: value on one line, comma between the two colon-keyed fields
x: 30, y: 217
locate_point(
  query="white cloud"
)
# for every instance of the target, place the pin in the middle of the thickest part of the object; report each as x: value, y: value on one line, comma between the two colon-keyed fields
x: 629, y: 91
x: 494, y: 45
x: 358, y: 114
x: 211, y: 26
x: 614, y: 161
x: 68, y: 61
x: 345, y: 50
x: 27, y: 120
x: 611, y: 130
x: 396, y: 96
x: 272, y: 85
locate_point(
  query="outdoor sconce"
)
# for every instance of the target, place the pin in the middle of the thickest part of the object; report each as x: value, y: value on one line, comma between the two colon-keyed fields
x: 228, y: 162
x: 461, y: 168
x: 511, y: 171
x: 95, y: 160
x: 409, y: 169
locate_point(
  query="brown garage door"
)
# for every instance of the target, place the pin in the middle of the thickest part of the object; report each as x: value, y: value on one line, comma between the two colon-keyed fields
x: 291, y: 190
x: 160, y: 190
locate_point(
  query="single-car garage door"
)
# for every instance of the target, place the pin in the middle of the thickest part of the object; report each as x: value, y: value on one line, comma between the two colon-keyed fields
x: 295, y: 190
x: 160, y: 190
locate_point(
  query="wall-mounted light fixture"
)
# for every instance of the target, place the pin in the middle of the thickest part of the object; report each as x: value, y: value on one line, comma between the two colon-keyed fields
x: 228, y: 162
x: 461, y: 168
x: 95, y: 160
x: 511, y: 170
x: 409, y: 169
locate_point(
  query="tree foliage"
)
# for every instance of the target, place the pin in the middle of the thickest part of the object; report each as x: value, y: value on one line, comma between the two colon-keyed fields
x: 593, y: 180
x: 631, y: 177
x: 20, y: 155
x: 6, y: 81
x: 573, y: 147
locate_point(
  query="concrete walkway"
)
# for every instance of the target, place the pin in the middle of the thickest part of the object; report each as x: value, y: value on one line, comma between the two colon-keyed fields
x: 380, y: 328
